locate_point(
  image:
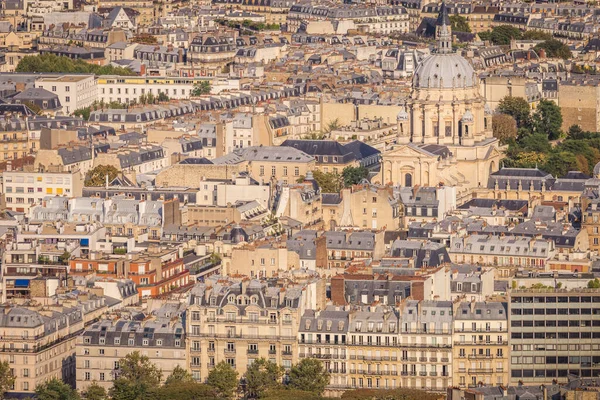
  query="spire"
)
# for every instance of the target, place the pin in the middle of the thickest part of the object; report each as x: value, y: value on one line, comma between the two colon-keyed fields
x: 443, y: 31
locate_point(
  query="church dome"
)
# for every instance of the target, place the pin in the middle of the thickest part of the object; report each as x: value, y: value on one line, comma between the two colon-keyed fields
x: 468, y: 117
x: 444, y: 71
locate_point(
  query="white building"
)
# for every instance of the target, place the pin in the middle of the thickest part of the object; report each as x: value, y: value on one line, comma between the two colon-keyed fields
x: 23, y: 189
x: 128, y: 89
x: 74, y: 91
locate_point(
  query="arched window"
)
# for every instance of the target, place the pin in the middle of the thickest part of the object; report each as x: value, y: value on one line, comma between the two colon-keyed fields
x: 408, y: 180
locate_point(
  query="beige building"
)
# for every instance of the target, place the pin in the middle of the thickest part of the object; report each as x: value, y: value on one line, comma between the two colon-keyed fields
x: 579, y: 105
x: 481, y: 350
x: 160, y: 337
x: 38, y: 341
x: 365, y: 205
x: 239, y: 322
x: 444, y: 132
x: 23, y: 188
x: 262, y: 260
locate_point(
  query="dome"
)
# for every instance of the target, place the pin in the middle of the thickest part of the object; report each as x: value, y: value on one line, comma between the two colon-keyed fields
x: 444, y: 71
x: 402, y: 116
x: 597, y: 170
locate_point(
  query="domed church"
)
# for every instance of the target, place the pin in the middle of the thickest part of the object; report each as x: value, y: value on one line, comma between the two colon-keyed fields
x: 445, y: 129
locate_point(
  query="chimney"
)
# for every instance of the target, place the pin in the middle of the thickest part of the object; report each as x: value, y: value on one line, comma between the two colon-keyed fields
x: 9, y: 166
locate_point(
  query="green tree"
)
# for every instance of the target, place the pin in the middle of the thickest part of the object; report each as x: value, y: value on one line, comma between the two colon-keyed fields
x: 554, y: 49
x: 329, y: 182
x: 54, y: 63
x: 56, y: 389
x: 162, y: 97
x: 150, y: 99
x: 224, y: 379
x: 485, y: 35
x: 97, y: 176
x: 459, y: 23
x: 262, y: 376
x: 95, y: 392
x: 504, y: 127
x: 185, y: 391
x: 353, y: 175
x: 594, y: 284
x: 536, y: 35
x: 560, y: 162
x: 575, y: 132
x: 537, y: 143
x: 332, y: 126
x: 503, y: 34
x: 201, y: 88
x: 178, y: 376
x: 309, y: 375
x: 518, y: 108
x: 138, y: 378
x: 7, y: 378
x: 83, y: 113
x: 547, y: 119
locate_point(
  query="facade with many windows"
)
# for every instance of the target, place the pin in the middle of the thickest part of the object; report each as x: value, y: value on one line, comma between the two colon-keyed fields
x: 239, y: 322
x: 481, y: 352
x: 554, y: 333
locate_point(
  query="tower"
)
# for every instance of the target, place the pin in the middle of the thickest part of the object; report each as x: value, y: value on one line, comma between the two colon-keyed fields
x: 443, y: 31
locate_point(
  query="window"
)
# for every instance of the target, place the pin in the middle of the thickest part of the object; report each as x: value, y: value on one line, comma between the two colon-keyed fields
x: 88, y: 376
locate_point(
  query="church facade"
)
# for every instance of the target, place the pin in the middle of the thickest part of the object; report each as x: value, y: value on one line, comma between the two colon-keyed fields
x: 444, y: 132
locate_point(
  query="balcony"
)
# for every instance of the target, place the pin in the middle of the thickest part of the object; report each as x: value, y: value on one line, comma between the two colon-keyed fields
x: 433, y: 359
x: 423, y: 373
x: 445, y: 359
x: 423, y: 359
x: 480, y: 371
x: 412, y: 359
x: 480, y: 356
x: 229, y: 352
x: 286, y: 353
x: 252, y: 351
x: 433, y: 373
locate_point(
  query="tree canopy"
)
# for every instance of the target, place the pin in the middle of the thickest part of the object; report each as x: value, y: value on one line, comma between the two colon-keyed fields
x: 97, y: 175
x: 536, y: 35
x: 56, y: 389
x: 547, y: 119
x: 7, y: 378
x: 554, y: 49
x: 518, y: 108
x: 459, y: 23
x: 504, y: 128
x: 54, y: 63
x: 138, y: 378
x: 262, y: 376
x: 353, y: 175
x: 309, y: 375
x: 224, y: 379
x: 95, y: 392
x: 201, y: 88
x: 503, y: 34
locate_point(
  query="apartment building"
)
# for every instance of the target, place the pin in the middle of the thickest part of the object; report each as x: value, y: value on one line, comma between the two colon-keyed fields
x: 22, y: 189
x: 38, y: 342
x: 155, y: 272
x: 590, y: 217
x: 425, y: 342
x: 261, y: 260
x: 554, y: 334
x: 343, y: 247
x: 74, y: 91
x: 238, y: 322
x: 160, y: 337
x: 323, y: 335
x: 502, y: 251
x: 481, y: 351
x: 14, y: 139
